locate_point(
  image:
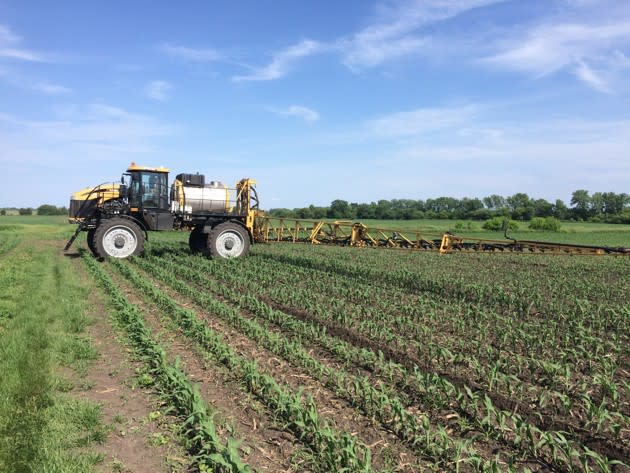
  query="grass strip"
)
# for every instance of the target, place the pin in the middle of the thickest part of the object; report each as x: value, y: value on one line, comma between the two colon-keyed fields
x: 42, y: 315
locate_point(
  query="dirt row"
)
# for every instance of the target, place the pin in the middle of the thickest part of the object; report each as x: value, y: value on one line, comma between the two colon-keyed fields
x: 487, y: 447
x: 140, y: 437
x: 244, y: 412
x: 609, y: 447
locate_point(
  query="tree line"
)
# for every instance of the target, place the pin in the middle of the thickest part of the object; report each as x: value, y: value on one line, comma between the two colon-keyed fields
x: 45, y: 209
x: 607, y: 207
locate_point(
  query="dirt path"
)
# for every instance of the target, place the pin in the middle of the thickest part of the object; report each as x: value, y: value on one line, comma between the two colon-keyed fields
x: 140, y: 439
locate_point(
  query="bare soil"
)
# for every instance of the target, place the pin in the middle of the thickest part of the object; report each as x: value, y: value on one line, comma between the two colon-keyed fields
x: 140, y: 438
x: 386, y: 447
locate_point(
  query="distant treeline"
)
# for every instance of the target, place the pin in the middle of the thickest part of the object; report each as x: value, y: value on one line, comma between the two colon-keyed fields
x: 600, y: 207
x: 45, y: 209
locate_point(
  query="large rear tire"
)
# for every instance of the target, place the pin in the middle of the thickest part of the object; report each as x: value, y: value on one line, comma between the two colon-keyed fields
x: 198, y: 241
x: 118, y: 238
x: 228, y: 240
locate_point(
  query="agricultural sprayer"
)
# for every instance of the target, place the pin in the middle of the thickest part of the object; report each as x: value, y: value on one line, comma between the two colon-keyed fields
x: 223, y: 222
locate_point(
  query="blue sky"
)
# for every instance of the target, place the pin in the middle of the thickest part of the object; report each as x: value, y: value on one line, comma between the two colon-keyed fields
x: 318, y: 100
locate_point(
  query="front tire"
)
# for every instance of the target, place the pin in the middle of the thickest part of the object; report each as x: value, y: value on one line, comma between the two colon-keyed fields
x: 228, y: 240
x: 118, y: 238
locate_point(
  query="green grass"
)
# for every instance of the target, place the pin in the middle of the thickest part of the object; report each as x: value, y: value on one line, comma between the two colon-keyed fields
x: 42, y: 315
x: 601, y: 234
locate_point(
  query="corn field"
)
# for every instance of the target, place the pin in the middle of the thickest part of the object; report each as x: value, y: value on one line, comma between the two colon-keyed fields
x: 376, y: 360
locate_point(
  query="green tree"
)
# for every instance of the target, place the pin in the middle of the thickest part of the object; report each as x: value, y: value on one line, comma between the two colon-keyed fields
x: 494, y: 202
x: 542, y: 208
x: 560, y: 210
x: 597, y: 204
x: 47, y: 209
x: 339, y: 209
x: 25, y: 211
x: 520, y: 206
x: 614, y: 203
x: 581, y: 201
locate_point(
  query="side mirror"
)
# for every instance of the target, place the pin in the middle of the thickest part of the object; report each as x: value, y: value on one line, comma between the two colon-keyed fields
x: 123, y: 191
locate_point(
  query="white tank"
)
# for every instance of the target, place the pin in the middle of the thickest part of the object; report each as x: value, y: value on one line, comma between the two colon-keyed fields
x: 213, y: 197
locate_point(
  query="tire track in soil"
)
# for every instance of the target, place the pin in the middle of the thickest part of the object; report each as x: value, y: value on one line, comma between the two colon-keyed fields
x: 543, y: 419
x: 605, y: 446
x: 270, y: 449
x: 489, y: 446
x: 359, y: 340
x: 109, y: 382
x: 383, y: 444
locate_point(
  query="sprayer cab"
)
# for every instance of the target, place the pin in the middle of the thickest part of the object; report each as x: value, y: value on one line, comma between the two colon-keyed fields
x: 146, y: 187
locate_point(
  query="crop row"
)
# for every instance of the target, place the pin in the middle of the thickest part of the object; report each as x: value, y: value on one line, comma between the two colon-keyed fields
x: 541, y: 278
x: 559, y: 378
x: 334, y: 451
x: 558, y: 389
x: 374, y: 399
x: 431, y: 389
x: 185, y: 399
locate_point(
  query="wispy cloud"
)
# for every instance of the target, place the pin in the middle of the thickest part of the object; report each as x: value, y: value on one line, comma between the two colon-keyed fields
x: 93, y: 128
x: 397, y: 31
x: 15, y: 79
x: 305, y: 113
x: 586, y: 74
x: 158, y: 90
x: 7, y: 36
x: 10, y: 47
x: 51, y: 89
x: 188, y: 54
x: 282, y: 61
x: 421, y: 121
x: 575, y: 47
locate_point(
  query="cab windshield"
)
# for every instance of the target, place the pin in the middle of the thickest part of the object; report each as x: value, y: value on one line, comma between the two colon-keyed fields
x: 148, y: 190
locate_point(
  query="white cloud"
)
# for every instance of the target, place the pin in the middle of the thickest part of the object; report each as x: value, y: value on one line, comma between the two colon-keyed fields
x: 9, y: 47
x: 14, y: 78
x: 7, y: 36
x: 158, y: 90
x: 91, y: 129
x: 575, y: 46
x: 298, y: 111
x: 282, y: 61
x: 421, y: 121
x: 395, y: 32
x: 392, y: 35
x: 51, y: 89
x: 191, y: 54
x: 589, y: 76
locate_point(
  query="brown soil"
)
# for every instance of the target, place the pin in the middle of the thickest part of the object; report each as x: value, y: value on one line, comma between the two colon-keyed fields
x: 265, y: 446
x: 140, y: 439
x: 605, y: 446
x: 386, y: 448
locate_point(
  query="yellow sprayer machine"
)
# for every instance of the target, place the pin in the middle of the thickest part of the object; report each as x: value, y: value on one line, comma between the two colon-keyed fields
x: 224, y: 222
x: 117, y: 216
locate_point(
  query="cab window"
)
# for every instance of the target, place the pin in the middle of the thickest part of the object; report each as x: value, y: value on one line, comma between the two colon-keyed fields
x: 148, y: 190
